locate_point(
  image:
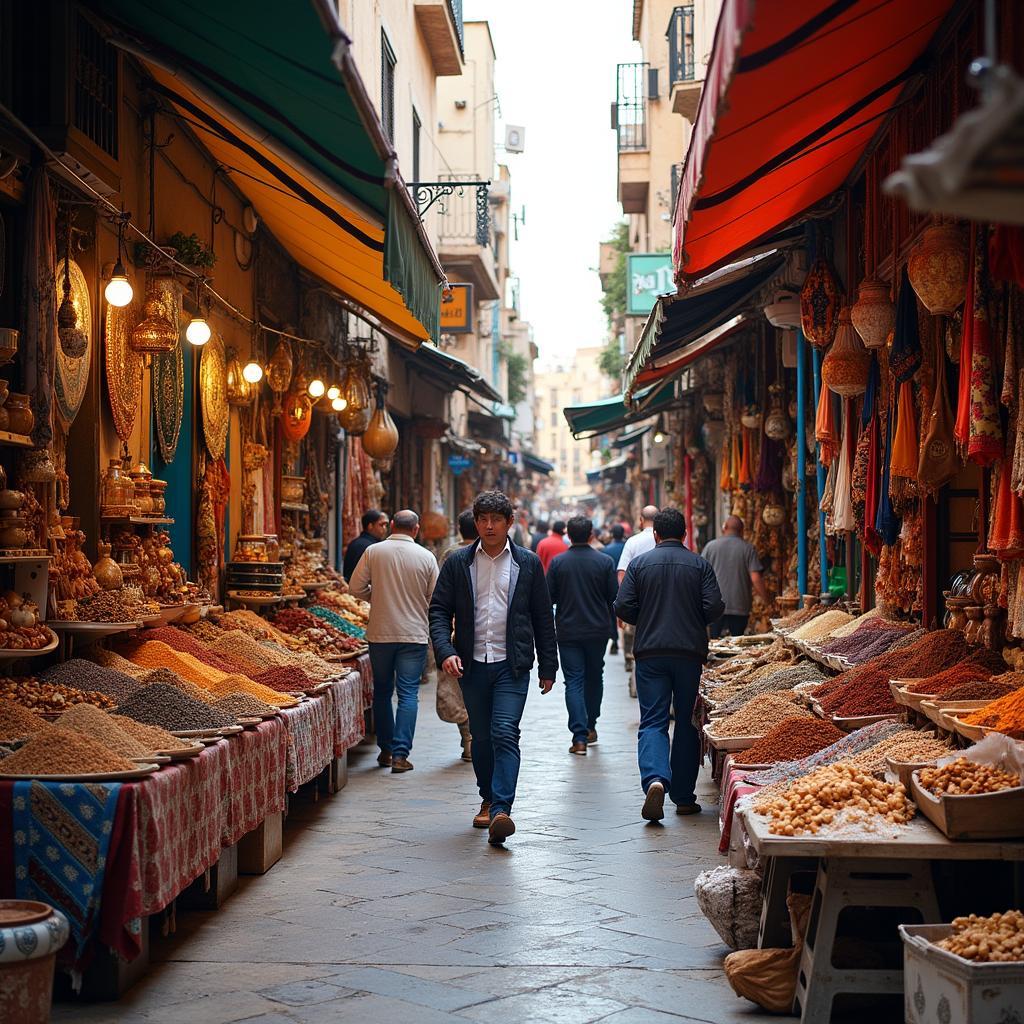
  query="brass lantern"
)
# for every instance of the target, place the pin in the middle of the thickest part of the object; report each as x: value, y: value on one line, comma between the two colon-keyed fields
x: 380, y: 438
x: 154, y: 333
x: 240, y: 391
x: 355, y: 390
x: 938, y: 268
x: 279, y: 373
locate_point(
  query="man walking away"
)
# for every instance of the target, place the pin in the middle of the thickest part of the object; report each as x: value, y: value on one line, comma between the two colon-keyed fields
x: 613, y: 549
x: 398, y: 577
x: 450, y: 705
x: 738, y: 570
x: 495, y: 593
x: 552, y: 546
x: 638, y: 544
x: 539, y: 535
x: 375, y: 528
x: 583, y: 587
x: 671, y: 595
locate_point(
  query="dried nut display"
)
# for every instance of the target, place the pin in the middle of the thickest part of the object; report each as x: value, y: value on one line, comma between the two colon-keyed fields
x: 49, y: 697
x: 995, y: 939
x: 129, y: 604
x: 964, y: 777
x: 20, y: 629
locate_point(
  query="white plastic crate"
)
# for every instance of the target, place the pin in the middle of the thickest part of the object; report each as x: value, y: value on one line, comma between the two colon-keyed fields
x: 942, y: 988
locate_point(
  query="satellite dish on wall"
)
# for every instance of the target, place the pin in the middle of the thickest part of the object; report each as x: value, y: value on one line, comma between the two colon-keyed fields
x: 515, y: 138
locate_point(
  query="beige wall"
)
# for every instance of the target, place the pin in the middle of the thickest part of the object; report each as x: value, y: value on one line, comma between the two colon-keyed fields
x: 466, y: 133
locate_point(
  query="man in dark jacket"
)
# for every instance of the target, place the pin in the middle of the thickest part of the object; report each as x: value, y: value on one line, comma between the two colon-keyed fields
x: 671, y: 595
x: 494, y: 592
x: 375, y: 528
x: 583, y: 587
x: 540, y: 533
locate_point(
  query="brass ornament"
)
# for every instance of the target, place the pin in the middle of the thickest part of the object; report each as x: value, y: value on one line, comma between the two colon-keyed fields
x: 240, y: 391
x: 71, y: 373
x: 168, y: 381
x: 156, y: 331
x: 213, y: 391
x: 279, y: 373
x: 123, y: 366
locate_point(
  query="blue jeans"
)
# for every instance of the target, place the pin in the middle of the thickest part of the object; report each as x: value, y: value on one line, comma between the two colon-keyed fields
x: 583, y: 667
x: 661, y: 683
x: 401, y: 664
x: 495, y: 699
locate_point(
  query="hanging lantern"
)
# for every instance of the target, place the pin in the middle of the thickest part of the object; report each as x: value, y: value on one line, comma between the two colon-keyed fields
x: 298, y: 414
x: 240, y: 391
x: 73, y: 340
x: 355, y: 391
x: 847, y: 363
x: 773, y: 514
x: 776, y: 423
x: 938, y: 267
x: 154, y: 333
x: 279, y: 373
x: 819, y: 304
x: 874, y: 313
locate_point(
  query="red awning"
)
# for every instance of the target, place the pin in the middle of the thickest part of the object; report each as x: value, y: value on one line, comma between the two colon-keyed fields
x: 794, y: 94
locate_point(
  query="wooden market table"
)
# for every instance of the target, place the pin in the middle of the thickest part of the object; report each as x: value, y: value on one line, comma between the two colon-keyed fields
x: 891, y: 869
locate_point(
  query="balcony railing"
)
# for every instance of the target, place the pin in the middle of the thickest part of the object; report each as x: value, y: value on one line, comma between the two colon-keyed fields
x: 680, y: 45
x: 629, y: 115
x: 677, y: 176
x: 455, y: 6
x: 464, y: 217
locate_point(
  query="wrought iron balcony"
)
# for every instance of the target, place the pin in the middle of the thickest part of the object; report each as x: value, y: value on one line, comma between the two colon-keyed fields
x: 680, y: 45
x: 455, y: 6
x: 629, y: 114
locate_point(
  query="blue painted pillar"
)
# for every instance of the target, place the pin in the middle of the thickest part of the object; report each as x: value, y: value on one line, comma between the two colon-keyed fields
x: 822, y: 552
x: 801, y: 462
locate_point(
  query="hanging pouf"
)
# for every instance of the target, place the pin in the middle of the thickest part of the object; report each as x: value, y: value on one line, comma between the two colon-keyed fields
x: 938, y: 268
x: 847, y: 363
x: 873, y: 314
x: 819, y: 304
x: 380, y: 439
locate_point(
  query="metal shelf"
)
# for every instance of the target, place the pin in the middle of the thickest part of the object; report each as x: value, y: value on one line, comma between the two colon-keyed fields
x: 16, y: 440
x: 137, y: 520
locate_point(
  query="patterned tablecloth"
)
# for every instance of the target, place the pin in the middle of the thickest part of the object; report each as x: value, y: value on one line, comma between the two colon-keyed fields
x: 346, y: 694
x: 365, y: 670
x: 255, y: 777
x: 311, y: 733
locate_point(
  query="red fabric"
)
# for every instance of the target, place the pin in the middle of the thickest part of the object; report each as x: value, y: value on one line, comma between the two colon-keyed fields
x: 254, y: 782
x: 734, y: 785
x: 549, y: 549
x: 310, y: 741
x: 346, y: 695
x: 768, y: 87
x: 1006, y: 536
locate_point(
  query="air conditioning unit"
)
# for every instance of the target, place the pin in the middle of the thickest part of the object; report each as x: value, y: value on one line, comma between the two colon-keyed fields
x: 784, y: 310
x: 515, y: 138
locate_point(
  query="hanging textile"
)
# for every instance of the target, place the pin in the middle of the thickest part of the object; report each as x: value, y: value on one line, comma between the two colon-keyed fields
x: 1006, y: 253
x: 887, y: 522
x: 904, y: 458
x: 745, y: 474
x: 214, y: 492
x: 939, y: 462
x: 905, y: 357
x: 725, y: 477
x: 842, y: 508
x: 768, y: 479
x: 735, y: 463
x: 1006, y: 535
x: 825, y: 426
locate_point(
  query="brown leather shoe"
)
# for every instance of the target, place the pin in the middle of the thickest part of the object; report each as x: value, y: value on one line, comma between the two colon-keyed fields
x: 384, y: 759
x: 687, y: 808
x: 401, y: 764
x: 592, y: 736
x: 502, y: 826
x: 578, y: 748
x: 483, y: 816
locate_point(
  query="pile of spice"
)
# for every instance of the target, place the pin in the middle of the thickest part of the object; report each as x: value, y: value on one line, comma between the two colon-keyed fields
x: 247, y: 653
x: 909, y: 747
x: 780, y: 679
x: 313, y: 665
x: 204, y: 630
x: 791, y: 738
x: 851, y: 627
x: 817, y: 800
x: 759, y: 716
x: 17, y: 722
x: 171, y: 709
x: 860, y: 697
x: 88, y: 675
x: 258, y: 628
x: 286, y: 679
x: 995, y: 939
x: 169, y: 678
x: 111, y: 659
x: 151, y: 737
x: 875, y: 637
x: 339, y: 622
x: 102, y: 727
x: 979, y: 689
x: 244, y: 705
x: 181, y: 640
x: 982, y: 664
x: 964, y: 777
x: 156, y: 654
x: 243, y: 684
x: 800, y: 616
x: 49, y: 697
x: 1005, y: 715
x: 822, y: 626
x: 64, y: 752
x: 313, y: 632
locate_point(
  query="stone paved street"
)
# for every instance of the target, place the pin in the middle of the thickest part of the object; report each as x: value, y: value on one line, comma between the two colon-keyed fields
x: 388, y: 907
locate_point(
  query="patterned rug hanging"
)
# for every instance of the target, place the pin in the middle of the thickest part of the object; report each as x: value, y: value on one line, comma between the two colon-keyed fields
x: 168, y: 400
x: 71, y: 376
x: 213, y: 391
x: 123, y: 366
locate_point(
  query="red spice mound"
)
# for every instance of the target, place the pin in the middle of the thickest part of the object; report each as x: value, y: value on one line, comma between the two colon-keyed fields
x: 791, y: 740
x: 285, y: 678
x: 868, y: 695
x: 979, y: 689
x: 179, y: 640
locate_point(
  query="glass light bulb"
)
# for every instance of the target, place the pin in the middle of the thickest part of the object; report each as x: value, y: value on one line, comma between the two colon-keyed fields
x: 339, y: 404
x: 483, y: 450
x: 252, y: 372
x: 198, y: 331
x: 316, y: 388
x: 119, y: 289
x: 333, y: 391
x: 659, y: 437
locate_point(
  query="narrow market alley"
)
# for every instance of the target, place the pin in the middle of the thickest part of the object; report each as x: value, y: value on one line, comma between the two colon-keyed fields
x: 388, y: 907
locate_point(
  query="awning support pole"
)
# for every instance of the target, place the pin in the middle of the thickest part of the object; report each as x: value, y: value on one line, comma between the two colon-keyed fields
x: 801, y: 464
x: 822, y: 549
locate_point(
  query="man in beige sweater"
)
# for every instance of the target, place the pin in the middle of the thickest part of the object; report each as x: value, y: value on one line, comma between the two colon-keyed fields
x: 397, y: 576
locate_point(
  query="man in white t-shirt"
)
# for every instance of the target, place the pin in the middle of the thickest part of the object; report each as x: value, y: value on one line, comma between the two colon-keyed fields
x: 638, y: 544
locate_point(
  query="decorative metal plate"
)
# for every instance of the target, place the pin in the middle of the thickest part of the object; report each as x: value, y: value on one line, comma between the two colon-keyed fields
x: 213, y: 391
x: 123, y: 366
x: 71, y: 376
x: 168, y: 377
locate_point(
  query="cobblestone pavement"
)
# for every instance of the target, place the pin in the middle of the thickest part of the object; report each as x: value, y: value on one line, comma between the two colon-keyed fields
x: 388, y: 907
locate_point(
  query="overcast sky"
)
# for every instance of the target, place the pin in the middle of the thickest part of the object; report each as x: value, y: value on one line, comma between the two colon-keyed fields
x: 556, y: 76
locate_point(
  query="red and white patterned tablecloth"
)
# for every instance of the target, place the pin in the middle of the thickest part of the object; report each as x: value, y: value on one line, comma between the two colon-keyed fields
x: 255, y: 777
x: 346, y: 695
x: 365, y: 670
x: 310, y: 740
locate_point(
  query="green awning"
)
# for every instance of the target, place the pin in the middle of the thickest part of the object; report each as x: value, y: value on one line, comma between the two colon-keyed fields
x: 272, y: 92
x: 613, y: 413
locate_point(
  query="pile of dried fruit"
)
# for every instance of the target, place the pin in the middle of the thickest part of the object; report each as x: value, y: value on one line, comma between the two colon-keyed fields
x: 90, y: 676
x: 964, y: 777
x: 995, y: 939
x: 171, y: 709
x: 50, y: 697
x: 814, y: 802
x: 129, y: 604
x: 17, y: 722
x: 759, y: 716
x: 64, y: 752
x: 102, y: 727
x: 791, y: 738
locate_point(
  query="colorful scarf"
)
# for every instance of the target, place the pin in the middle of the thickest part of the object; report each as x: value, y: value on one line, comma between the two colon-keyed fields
x: 905, y: 358
x: 887, y: 522
x: 903, y: 459
x: 825, y: 426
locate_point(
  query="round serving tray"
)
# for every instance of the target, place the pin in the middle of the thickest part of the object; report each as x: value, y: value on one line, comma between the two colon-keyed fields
x: 181, y: 753
x: 196, y: 734
x: 137, y: 773
x: 7, y: 654
x: 244, y: 598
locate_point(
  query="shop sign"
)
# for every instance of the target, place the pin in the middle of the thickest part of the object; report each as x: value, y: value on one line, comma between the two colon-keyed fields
x: 457, y: 309
x: 458, y: 464
x: 648, y: 275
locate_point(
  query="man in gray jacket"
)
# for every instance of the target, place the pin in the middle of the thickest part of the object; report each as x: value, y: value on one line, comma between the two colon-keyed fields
x: 671, y: 594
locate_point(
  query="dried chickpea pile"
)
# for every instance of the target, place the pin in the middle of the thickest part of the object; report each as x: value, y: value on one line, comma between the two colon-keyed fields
x: 963, y: 777
x: 39, y: 696
x: 995, y: 939
x: 813, y: 802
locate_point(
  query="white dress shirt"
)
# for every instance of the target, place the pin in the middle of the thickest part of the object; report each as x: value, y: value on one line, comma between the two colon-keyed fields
x: 638, y: 544
x: 491, y: 578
